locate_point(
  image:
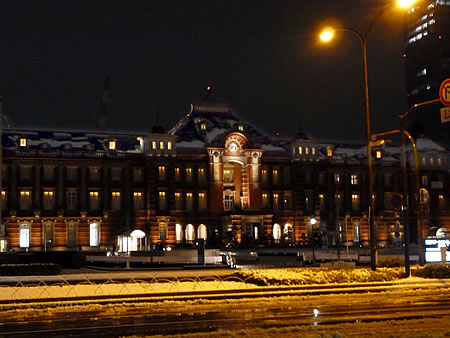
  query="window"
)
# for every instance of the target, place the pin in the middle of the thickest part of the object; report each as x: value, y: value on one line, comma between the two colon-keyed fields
x: 162, y: 173
x: 441, y: 202
x: 201, y: 175
x: 313, y: 150
x: 177, y: 174
x: 153, y: 145
x: 25, y: 172
x: 424, y: 180
x: 387, y: 179
x: 190, y: 233
x: 49, y: 173
x: 48, y: 231
x: 161, y: 145
x: 94, y: 202
x: 339, y: 203
x: 355, y: 203
x: 162, y: 200
x: 189, y: 201
x: 287, y: 175
x: 4, y: 200
x: 49, y: 200
x: 387, y: 200
x: 228, y: 200
x: 112, y: 145
x: 265, y: 200
x: 439, y: 161
x: 354, y: 179
x: 115, y: 200
x: 329, y: 151
x: 178, y: 233
x: 189, y: 175
x: 24, y: 240
x: 23, y: 142
x: 356, y: 232
x: 337, y: 178
x: 116, y: 174
x: 72, y: 173
x: 228, y: 176
x: 201, y: 231
x: 201, y: 201
x: 275, y: 176
x: 287, y: 200
x: 25, y: 200
x: 322, y: 202
x: 94, y: 174
x: 378, y: 154
x: 264, y: 176
x: 169, y: 145
x: 306, y: 150
x: 163, y: 231
x: 308, y: 202
x: 138, y: 200
x: 300, y: 150
x: 203, y: 126
x: 178, y: 201
x: 94, y: 234
x: 322, y: 178
x: 71, y: 234
x: 241, y: 127
x: 276, y: 204
x: 72, y: 200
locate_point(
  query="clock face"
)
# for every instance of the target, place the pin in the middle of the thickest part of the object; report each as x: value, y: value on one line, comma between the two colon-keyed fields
x: 233, y: 147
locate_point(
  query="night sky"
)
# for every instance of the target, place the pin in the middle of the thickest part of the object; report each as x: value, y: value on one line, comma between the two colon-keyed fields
x: 261, y: 57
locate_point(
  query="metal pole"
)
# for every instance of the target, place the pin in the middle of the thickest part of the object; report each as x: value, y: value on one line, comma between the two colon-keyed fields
x: 372, y: 230
x: 405, y: 207
x: 1, y: 163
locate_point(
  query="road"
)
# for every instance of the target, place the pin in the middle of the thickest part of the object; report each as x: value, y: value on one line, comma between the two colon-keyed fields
x: 395, y: 311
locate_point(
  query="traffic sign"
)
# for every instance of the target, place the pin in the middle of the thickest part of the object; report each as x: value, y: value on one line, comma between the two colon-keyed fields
x: 396, y: 201
x: 445, y: 114
x: 444, y: 92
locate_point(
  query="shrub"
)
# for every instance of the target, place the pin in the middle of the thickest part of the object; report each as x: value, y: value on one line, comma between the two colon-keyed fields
x: 391, y: 262
x: 29, y: 269
x: 433, y: 271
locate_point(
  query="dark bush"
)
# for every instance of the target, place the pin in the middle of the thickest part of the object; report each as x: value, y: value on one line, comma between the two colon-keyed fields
x: 391, y: 262
x: 29, y: 269
x: 433, y: 271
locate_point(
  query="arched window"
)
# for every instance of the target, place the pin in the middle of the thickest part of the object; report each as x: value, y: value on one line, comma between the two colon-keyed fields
x: 228, y: 199
x: 190, y: 233
x: 288, y: 232
x: 201, y: 231
x: 178, y: 233
x: 276, y: 232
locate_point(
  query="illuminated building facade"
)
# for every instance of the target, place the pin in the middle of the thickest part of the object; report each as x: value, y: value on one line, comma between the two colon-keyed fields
x: 212, y: 176
x: 427, y: 51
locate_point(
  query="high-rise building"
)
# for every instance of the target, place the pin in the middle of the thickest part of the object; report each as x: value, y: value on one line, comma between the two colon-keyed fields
x: 427, y: 52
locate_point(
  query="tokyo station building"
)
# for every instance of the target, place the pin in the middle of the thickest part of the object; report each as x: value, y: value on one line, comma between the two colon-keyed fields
x: 212, y: 176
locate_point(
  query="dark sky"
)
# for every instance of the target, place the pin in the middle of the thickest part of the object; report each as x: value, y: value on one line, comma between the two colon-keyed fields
x: 260, y: 56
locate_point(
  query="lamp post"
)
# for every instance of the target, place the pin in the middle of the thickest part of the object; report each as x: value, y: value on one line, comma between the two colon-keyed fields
x: 326, y: 36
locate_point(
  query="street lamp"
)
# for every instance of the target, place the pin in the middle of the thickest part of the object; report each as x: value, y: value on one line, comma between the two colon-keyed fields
x: 326, y: 36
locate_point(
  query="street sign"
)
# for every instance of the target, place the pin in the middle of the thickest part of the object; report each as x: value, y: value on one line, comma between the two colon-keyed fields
x: 444, y: 92
x: 445, y: 114
x: 396, y: 201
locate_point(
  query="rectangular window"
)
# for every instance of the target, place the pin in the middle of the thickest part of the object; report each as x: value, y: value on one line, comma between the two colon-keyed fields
x: 112, y: 145
x: 162, y: 173
x: 300, y: 150
x: 24, y: 240
x: 178, y: 201
x: 94, y: 234
x: 287, y: 175
x: 287, y: 200
x: 355, y: 203
x: 138, y: 175
x: 189, y: 201
x: 25, y: 172
x: 387, y: 200
x: 322, y: 203
x: 72, y: 173
x: 25, y: 200
x: 275, y: 176
x: 153, y: 145
x: 72, y: 200
x: 356, y: 232
x: 337, y: 178
x: 94, y: 200
x: 201, y: 175
x: 308, y: 202
x: 387, y: 180
x: 162, y: 200
x: 264, y: 176
x: 94, y: 174
x: 276, y: 202
x: 228, y: 176
x: 169, y: 145
x: 115, y: 200
x: 329, y: 152
x: 4, y: 200
x: 201, y: 201
x: 49, y: 200
x: 354, y: 179
x: 138, y: 200
x: 177, y: 174
x: 313, y: 150
x: 49, y: 173
x: 339, y: 202
x: 307, y: 175
x: 378, y: 154
x: 161, y: 145
x: 442, y: 203
x: 188, y: 175
x: 71, y: 234
x: 322, y: 178
x: 23, y: 142
x: 424, y: 180
x: 306, y: 150
x: 265, y: 200
x: 116, y: 174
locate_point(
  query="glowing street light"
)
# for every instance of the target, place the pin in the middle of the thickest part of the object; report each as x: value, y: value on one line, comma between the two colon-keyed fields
x: 326, y: 35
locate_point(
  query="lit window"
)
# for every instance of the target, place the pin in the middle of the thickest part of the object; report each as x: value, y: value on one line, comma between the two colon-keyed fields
x: 313, y: 150
x: 161, y: 145
x: 275, y: 201
x: 355, y: 202
x: 24, y: 240
x: 137, y: 175
x: 300, y: 150
x: 275, y: 176
x: 189, y: 201
x: 138, y: 200
x: 72, y: 200
x: 201, y: 175
x: 94, y: 234
x: 3, y: 200
x: 49, y: 200
x: 307, y: 150
x: 337, y: 178
x: 94, y: 203
x: 354, y: 179
x: 424, y: 179
x: 178, y: 201
x: 115, y: 200
x: 203, y: 126
x: 228, y: 200
x: 439, y: 161
x: 378, y: 154
x: 169, y: 145
x: 162, y: 200
x: 23, y: 142
x: 329, y: 152
x: 177, y: 174
x: 188, y: 174
x: 228, y: 176
x: 201, y: 201
x: 25, y: 200
x: 265, y: 199
x: 201, y: 232
x: 153, y: 145
x: 322, y: 202
x: 112, y: 145
x: 241, y: 127
x: 431, y: 161
x: 162, y: 172
x: 178, y: 233
x: 264, y: 175
x: 94, y: 174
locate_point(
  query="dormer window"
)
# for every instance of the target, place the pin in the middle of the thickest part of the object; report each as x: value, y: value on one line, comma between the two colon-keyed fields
x: 329, y: 151
x: 313, y: 150
x: 67, y: 146
x: 23, y: 142
x: 378, y: 154
x: 241, y: 127
x: 203, y: 125
x: 300, y: 150
x: 306, y: 150
x: 161, y: 145
x: 169, y: 145
x: 112, y: 145
x: 153, y: 145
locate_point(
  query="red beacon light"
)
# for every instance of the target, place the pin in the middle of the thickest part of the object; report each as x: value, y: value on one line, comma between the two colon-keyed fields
x: 208, y: 88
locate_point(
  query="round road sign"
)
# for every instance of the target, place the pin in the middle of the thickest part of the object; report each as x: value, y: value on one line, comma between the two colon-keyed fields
x: 444, y: 92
